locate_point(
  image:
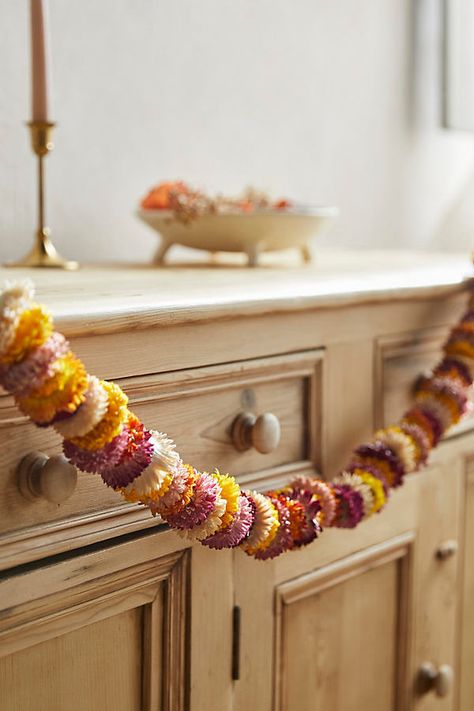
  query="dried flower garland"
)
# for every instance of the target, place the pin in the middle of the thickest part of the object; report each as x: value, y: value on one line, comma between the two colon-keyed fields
x: 103, y: 437
x: 188, y: 204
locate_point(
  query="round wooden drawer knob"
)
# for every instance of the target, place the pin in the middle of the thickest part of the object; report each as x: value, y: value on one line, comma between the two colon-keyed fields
x: 263, y: 432
x: 50, y: 478
x: 440, y: 680
x: 446, y: 550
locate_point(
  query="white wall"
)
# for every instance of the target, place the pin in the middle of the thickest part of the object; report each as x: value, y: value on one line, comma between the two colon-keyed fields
x: 331, y: 101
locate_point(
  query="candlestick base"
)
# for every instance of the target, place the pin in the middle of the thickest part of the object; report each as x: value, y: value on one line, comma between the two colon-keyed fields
x: 44, y: 254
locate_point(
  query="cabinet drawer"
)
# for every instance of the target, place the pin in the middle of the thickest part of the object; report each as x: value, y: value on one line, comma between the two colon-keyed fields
x: 197, y: 408
x: 399, y: 361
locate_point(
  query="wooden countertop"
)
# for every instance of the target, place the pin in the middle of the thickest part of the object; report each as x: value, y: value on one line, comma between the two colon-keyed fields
x: 121, y: 297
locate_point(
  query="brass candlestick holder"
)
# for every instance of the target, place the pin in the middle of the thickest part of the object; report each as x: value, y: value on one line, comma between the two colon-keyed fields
x: 43, y: 253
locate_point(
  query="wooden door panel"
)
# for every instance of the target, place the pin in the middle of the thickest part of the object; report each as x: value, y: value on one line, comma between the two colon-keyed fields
x: 103, y: 630
x: 342, y: 624
x: 73, y: 670
x: 261, y: 586
x: 467, y: 617
x: 437, y: 580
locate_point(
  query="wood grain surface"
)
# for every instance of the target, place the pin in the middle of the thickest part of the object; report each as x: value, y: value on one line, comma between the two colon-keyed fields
x: 106, y: 298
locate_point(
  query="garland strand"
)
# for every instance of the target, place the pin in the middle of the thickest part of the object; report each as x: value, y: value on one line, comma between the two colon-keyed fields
x: 101, y: 436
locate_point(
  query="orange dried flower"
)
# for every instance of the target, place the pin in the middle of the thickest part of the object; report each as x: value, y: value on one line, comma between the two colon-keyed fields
x: 246, y: 206
x: 283, y: 204
x: 159, y: 197
x: 460, y: 348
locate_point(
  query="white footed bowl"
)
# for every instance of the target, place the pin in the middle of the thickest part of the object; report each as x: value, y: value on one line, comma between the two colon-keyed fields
x: 251, y: 233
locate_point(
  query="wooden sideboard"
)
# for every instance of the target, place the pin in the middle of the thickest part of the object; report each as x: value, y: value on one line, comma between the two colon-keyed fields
x: 102, y: 607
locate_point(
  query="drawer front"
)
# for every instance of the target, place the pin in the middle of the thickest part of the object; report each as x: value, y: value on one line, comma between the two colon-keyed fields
x: 197, y: 408
x: 399, y: 362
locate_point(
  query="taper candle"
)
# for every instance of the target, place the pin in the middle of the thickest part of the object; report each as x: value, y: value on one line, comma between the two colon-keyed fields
x: 43, y: 253
x: 40, y: 61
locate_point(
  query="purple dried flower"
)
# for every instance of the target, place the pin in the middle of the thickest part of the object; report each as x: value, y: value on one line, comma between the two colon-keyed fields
x: 95, y: 461
x: 205, y: 493
x: 128, y: 468
x: 350, y: 506
x: 450, y: 363
x: 435, y: 424
x: 379, y: 450
x: 30, y: 373
x: 237, y: 530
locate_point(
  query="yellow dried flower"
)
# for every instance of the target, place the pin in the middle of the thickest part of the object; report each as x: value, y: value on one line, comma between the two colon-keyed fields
x: 376, y: 487
x: 230, y: 491
x: 265, y: 526
x: 111, y: 423
x: 64, y: 391
x: 35, y: 326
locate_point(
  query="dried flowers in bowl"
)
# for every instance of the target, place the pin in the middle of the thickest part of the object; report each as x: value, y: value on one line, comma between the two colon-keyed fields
x: 251, y: 223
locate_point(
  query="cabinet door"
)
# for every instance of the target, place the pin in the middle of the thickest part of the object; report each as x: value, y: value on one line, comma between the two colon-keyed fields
x: 348, y: 623
x: 467, y: 616
x: 108, y: 629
